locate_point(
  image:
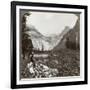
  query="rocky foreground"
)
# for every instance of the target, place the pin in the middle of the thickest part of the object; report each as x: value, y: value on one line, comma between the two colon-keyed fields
x: 56, y: 64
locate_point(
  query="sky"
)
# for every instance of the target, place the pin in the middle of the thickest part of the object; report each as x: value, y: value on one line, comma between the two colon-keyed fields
x: 51, y: 23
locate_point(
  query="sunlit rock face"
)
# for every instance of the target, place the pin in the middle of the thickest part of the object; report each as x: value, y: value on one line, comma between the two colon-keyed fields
x: 41, y: 42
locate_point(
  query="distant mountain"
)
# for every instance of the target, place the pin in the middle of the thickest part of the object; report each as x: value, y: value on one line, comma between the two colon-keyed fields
x: 41, y: 42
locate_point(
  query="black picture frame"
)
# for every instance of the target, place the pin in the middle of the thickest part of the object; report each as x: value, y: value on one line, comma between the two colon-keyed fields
x: 14, y: 4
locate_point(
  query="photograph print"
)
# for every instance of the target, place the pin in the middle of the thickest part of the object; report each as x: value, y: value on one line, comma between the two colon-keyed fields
x: 50, y: 45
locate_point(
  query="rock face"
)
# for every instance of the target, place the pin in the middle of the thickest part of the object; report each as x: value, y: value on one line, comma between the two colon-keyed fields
x: 41, y: 42
x: 71, y: 39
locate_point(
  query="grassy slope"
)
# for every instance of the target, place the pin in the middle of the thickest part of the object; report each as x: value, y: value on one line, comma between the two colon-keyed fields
x: 67, y: 62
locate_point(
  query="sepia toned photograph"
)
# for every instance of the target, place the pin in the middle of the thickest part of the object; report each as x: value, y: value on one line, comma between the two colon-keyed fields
x: 49, y: 44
